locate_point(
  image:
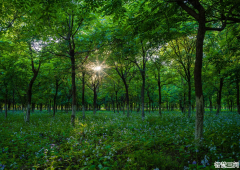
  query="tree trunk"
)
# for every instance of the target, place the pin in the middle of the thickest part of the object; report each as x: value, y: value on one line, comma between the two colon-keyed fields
x: 83, y: 90
x: 5, y: 106
x: 73, y: 88
x: 219, y: 97
x: 55, y: 98
x: 13, y: 102
x: 33, y: 107
x: 159, y: 95
x: 184, y: 100
x: 142, y: 93
x: 149, y: 103
x: 113, y: 106
x: 127, y: 97
x: 189, y: 97
x: 210, y: 100
x: 50, y: 106
x: 117, y: 101
x: 29, y: 91
x: 95, y: 99
x: 237, y: 86
x: 198, y: 78
x: 40, y: 107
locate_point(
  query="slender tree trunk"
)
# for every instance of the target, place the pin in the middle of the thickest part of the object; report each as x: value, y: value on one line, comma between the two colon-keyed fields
x: 237, y: 86
x: 159, y: 95
x: 55, y: 97
x: 184, y: 100
x: 29, y: 92
x: 95, y: 99
x: 143, y: 73
x: 13, y: 102
x: 131, y: 106
x: 152, y: 108
x: 40, y: 107
x: 149, y: 102
x: 210, y: 100
x: 5, y: 106
x: 127, y: 97
x: 142, y: 93
x: 74, y: 106
x: 189, y: 98
x: 49, y: 106
x: 219, y: 97
x: 33, y: 107
x: 83, y: 91
x: 117, y: 101
x: 113, y: 106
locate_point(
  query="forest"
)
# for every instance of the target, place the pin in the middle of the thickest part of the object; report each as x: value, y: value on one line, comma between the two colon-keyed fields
x: 119, y: 84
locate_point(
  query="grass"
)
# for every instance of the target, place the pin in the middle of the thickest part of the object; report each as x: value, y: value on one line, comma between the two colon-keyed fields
x: 113, y: 141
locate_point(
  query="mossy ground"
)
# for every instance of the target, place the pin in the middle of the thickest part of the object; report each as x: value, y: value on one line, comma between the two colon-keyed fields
x: 113, y: 141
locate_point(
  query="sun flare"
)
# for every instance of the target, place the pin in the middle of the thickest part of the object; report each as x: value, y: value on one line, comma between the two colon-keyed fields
x: 97, y: 68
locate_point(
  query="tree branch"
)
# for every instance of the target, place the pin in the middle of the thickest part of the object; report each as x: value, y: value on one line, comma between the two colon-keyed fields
x: 187, y: 9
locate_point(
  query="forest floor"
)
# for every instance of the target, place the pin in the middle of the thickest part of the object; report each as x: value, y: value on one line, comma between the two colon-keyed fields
x: 113, y: 141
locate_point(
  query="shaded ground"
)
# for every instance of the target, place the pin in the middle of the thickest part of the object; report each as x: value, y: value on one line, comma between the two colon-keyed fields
x: 113, y: 141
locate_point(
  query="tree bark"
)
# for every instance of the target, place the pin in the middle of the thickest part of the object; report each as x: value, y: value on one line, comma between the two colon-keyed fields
x: 189, y: 97
x: 143, y: 73
x: 198, y: 77
x: 219, y: 97
x: 33, y: 107
x: 210, y: 100
x: 113, y: 106
x: 83, y: 91
x: 13, y: 102
x: 5, y: 106
x: 127, y: 96
x: 116, y: 92
x: 73, y: 88
x: 40, y: 107
x: 237, y: 86
x: 95, y: 99
x: 55, y: 97
x: 142, y: 93
x: 29, y: 91
x: 159, y: 95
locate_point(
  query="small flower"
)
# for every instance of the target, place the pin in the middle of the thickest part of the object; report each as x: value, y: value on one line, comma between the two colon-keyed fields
x: 194, y: 162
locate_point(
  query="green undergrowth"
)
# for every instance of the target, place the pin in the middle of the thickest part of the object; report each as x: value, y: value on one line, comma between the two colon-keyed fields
x: 112, y: 141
